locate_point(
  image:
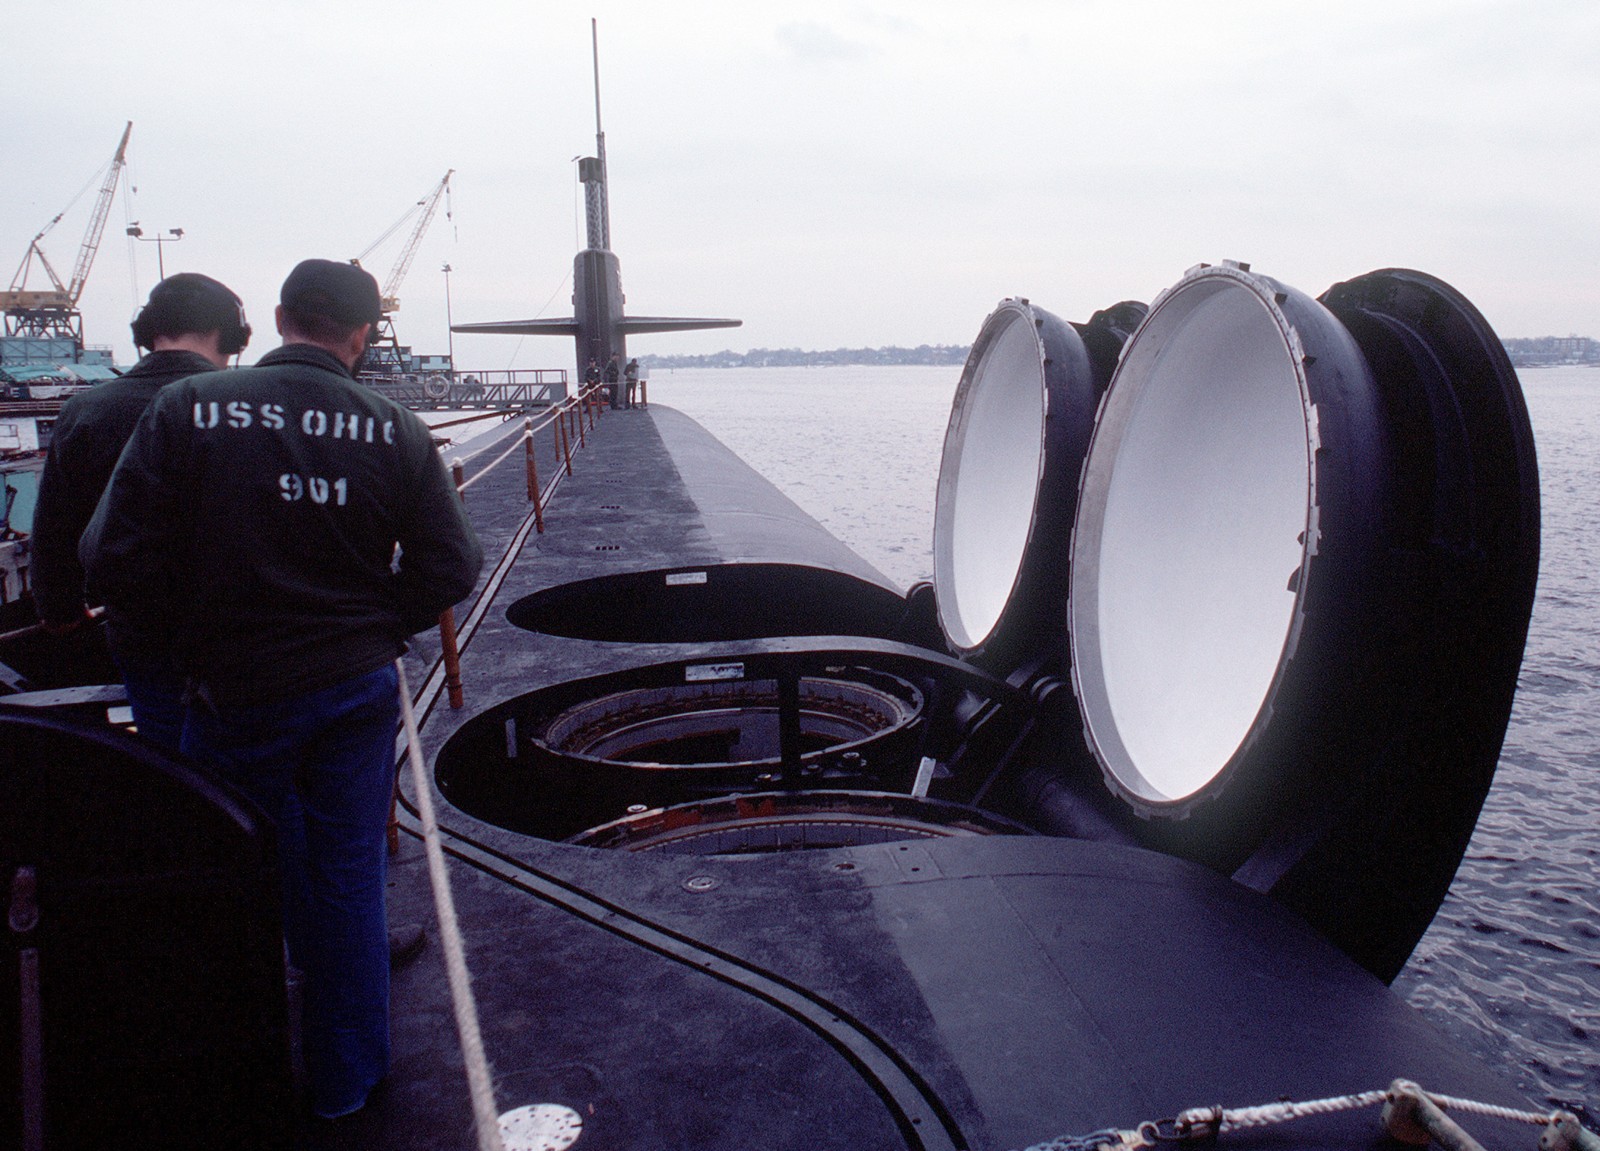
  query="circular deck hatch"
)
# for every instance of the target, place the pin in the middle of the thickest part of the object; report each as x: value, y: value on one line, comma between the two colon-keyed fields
x: 764, y: 823
x: 726, y: 725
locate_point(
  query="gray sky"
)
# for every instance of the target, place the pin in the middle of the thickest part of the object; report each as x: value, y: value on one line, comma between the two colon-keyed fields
x: 835, y: 174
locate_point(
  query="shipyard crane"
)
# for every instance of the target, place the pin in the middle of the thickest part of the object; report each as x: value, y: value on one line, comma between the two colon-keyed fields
x: 386, y: 355
x: 53, y: 313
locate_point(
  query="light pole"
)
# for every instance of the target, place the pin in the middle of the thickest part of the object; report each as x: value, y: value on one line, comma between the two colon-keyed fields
x: 160, y: 241
x: 449, y: 321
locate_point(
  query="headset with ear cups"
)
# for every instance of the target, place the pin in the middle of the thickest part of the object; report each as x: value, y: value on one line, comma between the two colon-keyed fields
x: 190, y: 302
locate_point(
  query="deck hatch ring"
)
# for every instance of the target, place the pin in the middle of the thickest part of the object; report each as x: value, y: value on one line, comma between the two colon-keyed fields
x: 785, y: 821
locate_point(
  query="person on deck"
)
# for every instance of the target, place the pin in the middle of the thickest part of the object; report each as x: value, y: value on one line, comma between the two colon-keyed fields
x: 613, y: 373
x: 257, y: 513
x: 591, y: 374
x: 631, y: 375
x: 191, y: 323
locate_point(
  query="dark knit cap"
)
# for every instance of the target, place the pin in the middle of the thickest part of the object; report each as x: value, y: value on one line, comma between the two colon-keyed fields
x: 338, y: 291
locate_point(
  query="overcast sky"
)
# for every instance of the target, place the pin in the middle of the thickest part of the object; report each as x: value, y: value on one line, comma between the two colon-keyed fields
x: 835, y: 174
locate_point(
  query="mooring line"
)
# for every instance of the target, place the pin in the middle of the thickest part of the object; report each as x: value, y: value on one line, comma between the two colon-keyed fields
x: 486, y: 1116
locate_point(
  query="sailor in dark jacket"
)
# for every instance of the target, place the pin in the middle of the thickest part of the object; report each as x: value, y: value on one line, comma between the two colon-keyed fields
x: 192, y: 324
x: 292, y: 528
x: 613, y: 374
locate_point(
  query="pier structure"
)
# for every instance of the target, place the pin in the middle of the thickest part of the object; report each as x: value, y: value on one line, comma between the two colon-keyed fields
x: 492, y: 391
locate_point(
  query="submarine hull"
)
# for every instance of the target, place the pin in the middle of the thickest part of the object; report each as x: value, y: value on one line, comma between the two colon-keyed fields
x: 954, y: 983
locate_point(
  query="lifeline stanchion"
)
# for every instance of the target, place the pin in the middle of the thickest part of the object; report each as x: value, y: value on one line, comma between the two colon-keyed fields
x: 563, y: 445
x: 449, y: 651
x: 452, y: 656
x: 577, y: 415
x: 485, y: 1116
x: 533, y: 479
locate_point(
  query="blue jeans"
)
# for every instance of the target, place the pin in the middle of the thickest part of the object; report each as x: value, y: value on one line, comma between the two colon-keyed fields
x: 155, y: 693
x: 322, y: 765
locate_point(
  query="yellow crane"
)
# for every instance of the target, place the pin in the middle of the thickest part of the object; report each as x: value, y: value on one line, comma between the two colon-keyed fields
x: 52, y: 313
x: 387, y: 351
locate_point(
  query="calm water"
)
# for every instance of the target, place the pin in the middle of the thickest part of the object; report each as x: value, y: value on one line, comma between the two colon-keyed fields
x: 1511, y: 966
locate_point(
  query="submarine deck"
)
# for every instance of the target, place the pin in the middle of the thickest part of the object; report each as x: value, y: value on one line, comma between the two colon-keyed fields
x: 986, y: 992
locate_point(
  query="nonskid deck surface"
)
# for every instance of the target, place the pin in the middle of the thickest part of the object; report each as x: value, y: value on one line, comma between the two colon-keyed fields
x: 991, y: 992
x: 983, y: 992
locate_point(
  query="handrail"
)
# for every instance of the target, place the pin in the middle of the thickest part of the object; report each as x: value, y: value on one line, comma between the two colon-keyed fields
x: 476, y: 417
x: 462, y: 486
x: 571, y: 408
x: 486, y: 448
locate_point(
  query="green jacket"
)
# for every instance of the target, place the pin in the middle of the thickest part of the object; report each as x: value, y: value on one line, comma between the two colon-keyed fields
x: 256, y: 514
x: 84, y: 445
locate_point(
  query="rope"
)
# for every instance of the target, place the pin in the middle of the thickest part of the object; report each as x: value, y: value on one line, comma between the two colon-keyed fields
x: 475, y: 418
x: 492, y: 464
x: 540, y: 424
x: 1244, y: 1117
x: 1494, y: 1111
x: 1269, y: 1113
x: 1207, y: 1122
x: 487, y: 448
x: 485, y: 1114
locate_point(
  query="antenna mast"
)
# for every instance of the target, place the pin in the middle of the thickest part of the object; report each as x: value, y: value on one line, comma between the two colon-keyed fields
x: 604, y: 237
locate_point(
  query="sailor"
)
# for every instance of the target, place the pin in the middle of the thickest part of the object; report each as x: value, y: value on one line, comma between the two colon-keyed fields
x: 631, y: 375
x: 591, y: 374
x: 613, y: 371
x: 191, y: 323
x: 257, y: 513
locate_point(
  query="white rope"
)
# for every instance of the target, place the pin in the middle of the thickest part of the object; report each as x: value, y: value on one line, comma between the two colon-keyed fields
x: 491, y: 446
x: 1276, y: 1113
x: 1269, y: 1113
x: 492, y: 464
x: 1493, y: 1110
x: 543, y: 422
x: 1200, y: 1123
x: 486, y: 1116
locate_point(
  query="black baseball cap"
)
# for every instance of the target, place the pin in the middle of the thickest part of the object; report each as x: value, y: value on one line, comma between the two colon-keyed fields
x: 339, y: 291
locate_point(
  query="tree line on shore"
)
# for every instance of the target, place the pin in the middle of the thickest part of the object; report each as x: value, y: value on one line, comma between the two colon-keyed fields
x: 935, y: 354
x: 1524, y: 352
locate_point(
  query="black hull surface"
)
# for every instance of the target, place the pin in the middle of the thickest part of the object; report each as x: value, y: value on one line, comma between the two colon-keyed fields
x: 925, y: 984
x: 985, y: 991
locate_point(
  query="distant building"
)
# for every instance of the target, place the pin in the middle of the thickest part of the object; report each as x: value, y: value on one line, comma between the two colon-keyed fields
x: 1544, y: 351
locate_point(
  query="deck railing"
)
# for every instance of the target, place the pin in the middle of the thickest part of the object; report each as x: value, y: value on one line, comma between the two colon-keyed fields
x: 569, y: 419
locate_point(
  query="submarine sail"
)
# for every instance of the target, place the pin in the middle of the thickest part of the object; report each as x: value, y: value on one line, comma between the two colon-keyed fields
x: 599, y: 323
